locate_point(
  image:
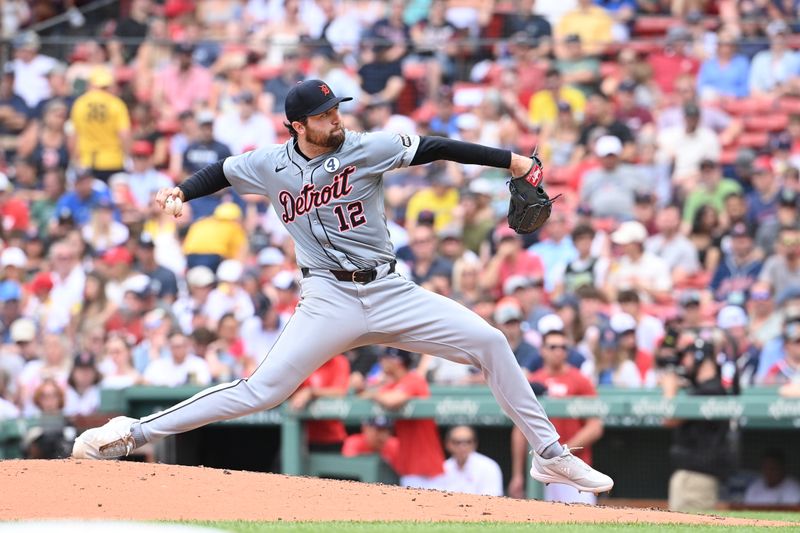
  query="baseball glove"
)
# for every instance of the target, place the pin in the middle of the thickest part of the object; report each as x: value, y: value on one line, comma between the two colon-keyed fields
x: 530, y: 206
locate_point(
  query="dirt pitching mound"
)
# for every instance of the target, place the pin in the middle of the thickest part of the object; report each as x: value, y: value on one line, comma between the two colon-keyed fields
x: 111, y: 490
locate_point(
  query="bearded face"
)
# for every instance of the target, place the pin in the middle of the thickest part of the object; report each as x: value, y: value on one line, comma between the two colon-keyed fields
x: 325, y: 139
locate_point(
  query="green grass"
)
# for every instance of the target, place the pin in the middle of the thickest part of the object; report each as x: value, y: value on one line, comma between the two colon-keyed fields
x: 481, y: 527
x: 763, y: 515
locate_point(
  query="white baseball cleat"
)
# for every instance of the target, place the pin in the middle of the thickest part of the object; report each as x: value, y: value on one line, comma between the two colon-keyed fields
x: 570, y: 470
x: 113, y: 439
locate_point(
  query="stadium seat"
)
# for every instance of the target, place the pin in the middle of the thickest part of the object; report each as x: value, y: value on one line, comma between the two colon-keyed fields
x: 367, y: 468
x: 748, y: 106
x: 728, y: 156
x: 756, y: 140
x: 773, y: 122
x: 789, y: 105
x: 646, y: 47
x: 650, y: 26
x: 414, y: 71
x: 608, y: 68
x: 266, y: 72
x: 527, y: 142
x: 468, y: 94
x: 557, y: 176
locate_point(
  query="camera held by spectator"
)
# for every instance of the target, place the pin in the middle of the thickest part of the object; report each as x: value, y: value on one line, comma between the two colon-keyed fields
x: 702, y: 451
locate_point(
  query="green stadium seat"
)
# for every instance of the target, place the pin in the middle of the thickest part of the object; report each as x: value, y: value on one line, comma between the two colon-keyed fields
x: 367, y: 468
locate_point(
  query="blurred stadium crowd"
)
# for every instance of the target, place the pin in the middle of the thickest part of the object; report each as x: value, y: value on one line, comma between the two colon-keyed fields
x: 672, y: 129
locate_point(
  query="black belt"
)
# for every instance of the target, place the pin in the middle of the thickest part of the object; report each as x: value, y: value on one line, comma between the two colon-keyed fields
x: 356, y: 276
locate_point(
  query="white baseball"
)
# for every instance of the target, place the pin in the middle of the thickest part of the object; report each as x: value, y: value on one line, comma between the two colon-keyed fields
x: 173, y: 205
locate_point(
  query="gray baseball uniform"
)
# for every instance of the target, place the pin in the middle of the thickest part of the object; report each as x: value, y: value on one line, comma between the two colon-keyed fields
x: 333, y: 208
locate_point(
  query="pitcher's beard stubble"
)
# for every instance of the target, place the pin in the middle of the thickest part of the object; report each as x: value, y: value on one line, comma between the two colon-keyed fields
x: 330, y: 140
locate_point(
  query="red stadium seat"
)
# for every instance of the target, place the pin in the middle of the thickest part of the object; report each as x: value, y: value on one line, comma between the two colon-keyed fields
x: 414, y: 71
x: 790, y: 106
x: 649, y: 26
x: 557, y: 176
x: 608, y: 68
x: 266, y: 72
x: 749, y: 106
x: 646, y: 47
x: 756, y: 140
x: 774, y: 122
x: 728, y: 156
x: 527, y: 142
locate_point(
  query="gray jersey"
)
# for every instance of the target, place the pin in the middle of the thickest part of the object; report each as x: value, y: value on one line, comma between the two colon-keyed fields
x: 331, y: 205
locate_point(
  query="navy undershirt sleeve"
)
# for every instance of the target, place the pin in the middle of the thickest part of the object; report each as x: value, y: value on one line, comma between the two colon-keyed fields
x: 205, y: 181
x: 441, y: 148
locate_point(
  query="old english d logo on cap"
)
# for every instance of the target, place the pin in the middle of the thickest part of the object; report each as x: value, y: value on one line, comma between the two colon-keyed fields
x: 310, y: 97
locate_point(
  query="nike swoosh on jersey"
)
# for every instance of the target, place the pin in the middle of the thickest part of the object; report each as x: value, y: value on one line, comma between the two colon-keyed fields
x: 278, y: 169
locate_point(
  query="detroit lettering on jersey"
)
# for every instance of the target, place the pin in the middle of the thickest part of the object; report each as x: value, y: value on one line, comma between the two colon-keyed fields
x: 310, y: 198
x: 331, y: 205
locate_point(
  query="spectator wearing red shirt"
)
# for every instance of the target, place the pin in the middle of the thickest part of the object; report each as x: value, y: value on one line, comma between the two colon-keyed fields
x: 560, y: 380
x: 15, y: 212
x: 375, y: 437
x: 420, y: 461
x: 674, y: 60
x: 511, y: 259
x: 181, y: 85
x: 331, y: 380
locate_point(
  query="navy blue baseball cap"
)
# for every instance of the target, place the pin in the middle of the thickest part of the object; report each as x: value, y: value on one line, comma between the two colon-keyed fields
x: 310, y: 97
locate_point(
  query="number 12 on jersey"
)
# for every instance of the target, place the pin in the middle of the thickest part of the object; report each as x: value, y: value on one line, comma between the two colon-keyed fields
x: 355, y: 212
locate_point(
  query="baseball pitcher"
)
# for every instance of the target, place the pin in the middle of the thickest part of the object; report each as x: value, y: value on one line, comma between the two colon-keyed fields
x: 326, y: 184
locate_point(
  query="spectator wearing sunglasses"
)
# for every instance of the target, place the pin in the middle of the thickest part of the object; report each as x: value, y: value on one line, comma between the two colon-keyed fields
x: 765, y: 323
x: 782, y: 269
x: 787, y: 370
x: 560, y: 380
x: 786, y: 215
x: 468, y: 470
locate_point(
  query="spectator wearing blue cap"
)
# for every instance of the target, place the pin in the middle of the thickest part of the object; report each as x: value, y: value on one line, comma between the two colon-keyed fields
x: 612, y: 366
x: 740, y: 267
x: 164, y: 281
x: 762, y: 201
x: 635, y: 116
x: 87, y: 194
x: 421, y: 458
x: 10, y: 296
x: 375, y: 437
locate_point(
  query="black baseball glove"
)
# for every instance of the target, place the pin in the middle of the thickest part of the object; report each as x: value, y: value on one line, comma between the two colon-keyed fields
x: 530, y: 206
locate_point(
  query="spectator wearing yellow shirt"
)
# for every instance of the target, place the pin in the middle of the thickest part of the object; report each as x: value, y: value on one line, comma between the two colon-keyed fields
x: 212, y: 239
x: 101, y: 127
x: 440, y: 198
x: 543, y: 106
x: 591, y: 23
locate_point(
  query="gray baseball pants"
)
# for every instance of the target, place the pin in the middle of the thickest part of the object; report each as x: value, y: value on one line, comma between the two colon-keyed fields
x: 335, y: 316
